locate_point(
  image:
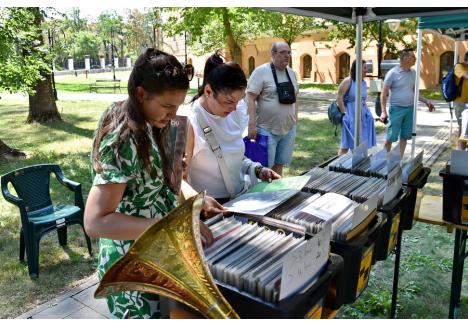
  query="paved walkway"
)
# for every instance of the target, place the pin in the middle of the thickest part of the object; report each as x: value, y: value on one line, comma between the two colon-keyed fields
x: 432, y: 136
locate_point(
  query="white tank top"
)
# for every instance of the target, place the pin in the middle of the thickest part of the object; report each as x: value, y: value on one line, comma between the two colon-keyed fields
x: 204, y: 172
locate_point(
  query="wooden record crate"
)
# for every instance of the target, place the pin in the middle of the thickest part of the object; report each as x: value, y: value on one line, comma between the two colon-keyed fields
x: 455, y: 197
x: 306, y: 304
x: 357, y: 263
x: 410, y: 208
x: 391, y: 219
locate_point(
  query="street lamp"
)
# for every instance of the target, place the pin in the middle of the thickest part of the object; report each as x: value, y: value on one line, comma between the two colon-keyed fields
x: 393, y: 24
x: 51, y: 45
x: 112, y: 51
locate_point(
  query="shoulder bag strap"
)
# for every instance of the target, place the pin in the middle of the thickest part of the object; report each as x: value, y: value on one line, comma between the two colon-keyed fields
x: 273, y: 70
x: 211, y: 139
x: 460, y: 83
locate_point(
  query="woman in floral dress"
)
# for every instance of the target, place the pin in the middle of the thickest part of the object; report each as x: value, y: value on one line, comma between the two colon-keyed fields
x: 131, y: 189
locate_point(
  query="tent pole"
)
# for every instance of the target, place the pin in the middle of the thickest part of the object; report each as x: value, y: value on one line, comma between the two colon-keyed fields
x: 358, y: 101
x: 416, y: 91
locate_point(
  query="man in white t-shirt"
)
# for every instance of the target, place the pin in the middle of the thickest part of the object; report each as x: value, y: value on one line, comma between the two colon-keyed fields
x: 267, y: 116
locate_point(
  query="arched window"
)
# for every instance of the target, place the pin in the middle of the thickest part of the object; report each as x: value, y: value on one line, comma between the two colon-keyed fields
x: 251, y: 65
x: 306, y: 66
x: 344, y: 66
x: 446, y: 63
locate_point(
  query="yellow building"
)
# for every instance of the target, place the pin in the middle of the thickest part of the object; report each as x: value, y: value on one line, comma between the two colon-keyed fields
x: 318, y: 60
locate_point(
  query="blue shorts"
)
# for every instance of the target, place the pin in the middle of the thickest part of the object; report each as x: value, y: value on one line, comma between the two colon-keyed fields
x: 400, y: 123
x: 280, y: 147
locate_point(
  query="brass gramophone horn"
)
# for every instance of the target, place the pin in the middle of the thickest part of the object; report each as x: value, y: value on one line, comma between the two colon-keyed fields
x: 167, y: 259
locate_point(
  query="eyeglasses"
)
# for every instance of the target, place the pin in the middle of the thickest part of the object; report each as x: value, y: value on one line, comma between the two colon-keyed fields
x: 284, y: 52
x: 175, y: 72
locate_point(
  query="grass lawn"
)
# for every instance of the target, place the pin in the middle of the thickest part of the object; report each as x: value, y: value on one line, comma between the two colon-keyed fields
x: 323, y: 87
x: 426, y: 253
x: 425, y: 271
x: 79, y: 83
x: 67, y: 143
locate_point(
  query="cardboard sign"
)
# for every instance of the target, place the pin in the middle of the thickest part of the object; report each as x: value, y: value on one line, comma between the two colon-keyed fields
x: 411, y: 166
x: 458, y: 161
x: 394, y: 182
x: 364, y: 210
x: 303, y: 264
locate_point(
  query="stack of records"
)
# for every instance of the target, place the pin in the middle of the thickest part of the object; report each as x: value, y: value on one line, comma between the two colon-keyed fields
x: 317, y: 211
x: 357, y: 188
x: 375, y: 165
x: 342, y: 164
x: 250, y: 257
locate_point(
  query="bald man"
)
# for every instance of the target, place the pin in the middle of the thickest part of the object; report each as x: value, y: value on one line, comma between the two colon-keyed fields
x: 267, y: 116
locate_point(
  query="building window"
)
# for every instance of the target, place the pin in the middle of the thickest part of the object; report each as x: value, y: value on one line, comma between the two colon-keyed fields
x: 446, y: 63
x: 251, y: 65
x: 306, y: 66
x: 344, y: 66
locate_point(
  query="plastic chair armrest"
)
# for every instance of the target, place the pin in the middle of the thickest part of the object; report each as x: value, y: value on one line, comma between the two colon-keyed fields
x: 73, y: 186
x: 10, y: 198
x: 70, y: 184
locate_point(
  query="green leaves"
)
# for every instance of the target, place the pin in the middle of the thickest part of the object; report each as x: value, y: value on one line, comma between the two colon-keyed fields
x: 391, y: 40
x: 22, y: 55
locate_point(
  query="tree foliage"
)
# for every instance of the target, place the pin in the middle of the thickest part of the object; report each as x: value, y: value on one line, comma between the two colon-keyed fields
x: 390, y: 40
x: 86, y: 43
x: 22, y: 57
x: 216, y: 28
x: 288, y: 27
x: 109, y: 25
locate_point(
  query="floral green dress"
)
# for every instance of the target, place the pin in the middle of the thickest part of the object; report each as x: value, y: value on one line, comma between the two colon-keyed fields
x: 144, y: 197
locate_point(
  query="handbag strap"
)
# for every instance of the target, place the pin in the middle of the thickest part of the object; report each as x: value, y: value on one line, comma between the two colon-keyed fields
x: 273, y: 70
x: 345, y: 97
x: 216, y: 148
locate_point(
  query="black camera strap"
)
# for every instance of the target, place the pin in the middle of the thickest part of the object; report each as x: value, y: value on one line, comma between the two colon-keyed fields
x: 273, y: 70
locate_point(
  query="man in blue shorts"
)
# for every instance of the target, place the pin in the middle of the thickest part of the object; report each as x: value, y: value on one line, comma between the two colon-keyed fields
x: 267, y: 114
x: 399, y: 82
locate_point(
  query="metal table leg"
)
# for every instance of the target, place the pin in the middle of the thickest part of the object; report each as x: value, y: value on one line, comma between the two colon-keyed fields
x: 396, y: 273
x: 459, y: 256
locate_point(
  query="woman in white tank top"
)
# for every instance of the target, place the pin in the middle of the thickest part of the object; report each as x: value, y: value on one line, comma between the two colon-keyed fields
x: 220, y: 113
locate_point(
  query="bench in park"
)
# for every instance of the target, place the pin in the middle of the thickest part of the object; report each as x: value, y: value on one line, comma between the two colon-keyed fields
x: 105, y: 83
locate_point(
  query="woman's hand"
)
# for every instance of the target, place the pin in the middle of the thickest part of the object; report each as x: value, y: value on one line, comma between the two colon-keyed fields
x: 207, y: 236
x: 267, y: 174
x: 211, y: 208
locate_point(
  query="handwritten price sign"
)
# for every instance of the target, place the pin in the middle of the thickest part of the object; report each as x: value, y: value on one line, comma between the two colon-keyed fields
x: 301, y: 265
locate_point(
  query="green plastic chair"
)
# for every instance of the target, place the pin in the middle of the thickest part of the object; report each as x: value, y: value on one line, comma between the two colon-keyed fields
x: 38, y: 214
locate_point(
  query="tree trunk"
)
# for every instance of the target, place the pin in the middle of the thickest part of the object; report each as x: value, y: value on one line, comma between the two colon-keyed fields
x: 42, y: 106
x: 8, y: 152
x: 234, y: 48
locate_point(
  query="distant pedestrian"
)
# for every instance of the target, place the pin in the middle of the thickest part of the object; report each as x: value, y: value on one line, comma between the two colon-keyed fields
x: 346, y: 102
x: 399, y: 87
x: 459, y: 104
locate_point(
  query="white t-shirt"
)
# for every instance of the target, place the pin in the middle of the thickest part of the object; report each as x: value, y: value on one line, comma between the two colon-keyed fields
x: 204, y: 172
x: 271, y: 114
